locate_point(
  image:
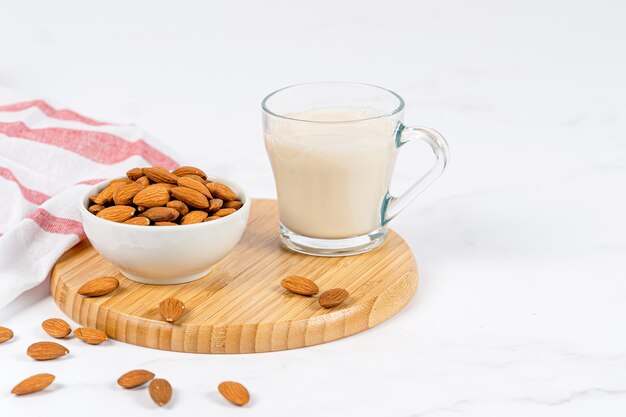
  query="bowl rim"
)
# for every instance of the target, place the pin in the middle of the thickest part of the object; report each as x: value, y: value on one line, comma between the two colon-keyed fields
x: 241, y: 193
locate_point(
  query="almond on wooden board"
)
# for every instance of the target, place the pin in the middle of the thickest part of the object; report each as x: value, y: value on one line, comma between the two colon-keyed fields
x: 57, y: 328
x: 189, y: 170
x: 152, y: 196
x: 138, y: 221
x: 196, y: 216
x: 44, y: 351
x: 99, y: 287
x: 5, y: 334
x: 233, y: 205
x: 125, y: 194
x: 160, y: 391
x: 160, y: 174
x: 135, y: 173
x: 116, y: 213
x: 190, y: 197
x: 300, y: 285
x: 234, y: 392
x: 224, y: 212
x: 215, y: 204
x: 222, y: 191
x: 171, y: 309
x: 333, y: 297
x: 90, y: 335
x: 194, y: 185
x: 33, y: 384
x: 178, y: 206
x: 161, y: 214
x: 135, y: 378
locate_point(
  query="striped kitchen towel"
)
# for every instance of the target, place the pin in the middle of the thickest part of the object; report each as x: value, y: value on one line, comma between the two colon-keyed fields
x: 48, y: 156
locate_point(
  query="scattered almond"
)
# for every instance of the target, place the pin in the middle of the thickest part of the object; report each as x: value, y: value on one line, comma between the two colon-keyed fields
x: 234, y: 392
x: 135, y: 378
x: 190, y: 197
x: 161, y: 214
x: 44, y: 351
x: 116, y: 213
x: 195, y: 216
x: 171, y: 309
x: 152, y: 196
x: 160, y: 174
x: 178, y: 206
x: 189, y: 170
x: 5, y: 334
x: 222, y: 191
x: 333, y: 297
x: 90, y: 335
x: 99, y: 287
x: 224, y: 212
x: 57, y: 328
x: 138, y: 221
x: 33, y: 384
x: 300, y: 285
x: 160, y: 391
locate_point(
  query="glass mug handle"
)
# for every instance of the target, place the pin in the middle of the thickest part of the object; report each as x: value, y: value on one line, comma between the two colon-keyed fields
x: 394, y: 205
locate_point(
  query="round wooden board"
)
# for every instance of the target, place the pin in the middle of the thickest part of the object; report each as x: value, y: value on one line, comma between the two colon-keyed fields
x: 240, y: 306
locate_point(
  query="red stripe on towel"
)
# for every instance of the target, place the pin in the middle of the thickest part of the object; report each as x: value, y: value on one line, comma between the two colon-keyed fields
x: 48, y: 110
x: 59, y: 225
x: 30, y: 195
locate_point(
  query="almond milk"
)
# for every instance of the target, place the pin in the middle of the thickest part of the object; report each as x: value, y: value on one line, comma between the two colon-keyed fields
x: 331, y: 177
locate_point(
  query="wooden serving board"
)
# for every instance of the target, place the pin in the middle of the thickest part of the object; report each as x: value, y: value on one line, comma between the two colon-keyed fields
x: 240, y: 306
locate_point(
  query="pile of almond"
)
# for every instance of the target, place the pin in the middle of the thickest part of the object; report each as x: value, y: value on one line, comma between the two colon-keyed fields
x: 156, y: 196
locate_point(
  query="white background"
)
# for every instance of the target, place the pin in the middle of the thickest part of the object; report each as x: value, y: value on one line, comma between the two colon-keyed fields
x: 521, y: 243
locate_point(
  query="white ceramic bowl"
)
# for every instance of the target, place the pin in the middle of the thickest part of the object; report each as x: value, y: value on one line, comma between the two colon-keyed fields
x: 167, y: 254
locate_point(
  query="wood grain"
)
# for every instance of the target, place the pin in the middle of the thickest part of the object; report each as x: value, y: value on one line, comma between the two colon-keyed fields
x: 240, y: 306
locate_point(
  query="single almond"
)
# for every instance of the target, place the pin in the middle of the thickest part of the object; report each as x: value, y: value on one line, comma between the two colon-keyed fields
x: 196, y: 216
x: 152, y: 196
x: 44, y: 351
x: 233, y: 205
x: 333, y: 297
x: 195, y: 177
x: 160, y: 174
x: 33, y: 384
x: 160, y: 391
x: 234, y: 392
x: 57, y: 328
x: 161, y: 214
x: 178, y: 206
x: 135, y: 173
x: 135, y: 378
x: 117, y: 214
x: 194, y: 185
x: 210, y: 218
x: 145, y: 181
x: 215, y: 204
x: 90, y: 335
x: 99, y: 287
x: 165, y: 224
x: 138, y: 221
x: 5, y: 334
x: 171, y: 309
x: 189, y: 170
x: 95, y: 208
x: 222, y: 191
x: 125, y: 194
x: 224, y: 212
x: 300, y: 285
x: 190, y: 197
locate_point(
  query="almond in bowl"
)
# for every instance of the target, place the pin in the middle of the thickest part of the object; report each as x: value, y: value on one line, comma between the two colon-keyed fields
x: 124, y: 220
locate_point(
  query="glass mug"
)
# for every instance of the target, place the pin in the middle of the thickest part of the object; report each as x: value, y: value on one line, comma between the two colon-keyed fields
x: 333, y: 148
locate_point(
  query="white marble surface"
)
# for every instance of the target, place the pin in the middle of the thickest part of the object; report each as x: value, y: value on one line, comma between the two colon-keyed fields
x: 521, y: 244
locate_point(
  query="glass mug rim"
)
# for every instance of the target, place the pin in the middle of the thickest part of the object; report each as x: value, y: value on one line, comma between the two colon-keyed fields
x: 399, y: 108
